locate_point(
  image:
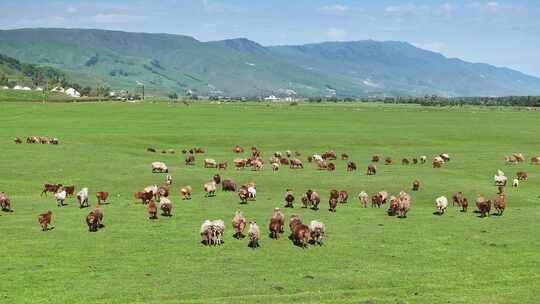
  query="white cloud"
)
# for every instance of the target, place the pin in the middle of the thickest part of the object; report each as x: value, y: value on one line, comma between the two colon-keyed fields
x: 335, y: 8
x: 336, y: 34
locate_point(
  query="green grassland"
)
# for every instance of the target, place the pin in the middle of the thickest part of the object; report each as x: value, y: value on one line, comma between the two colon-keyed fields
x: 368, y: 257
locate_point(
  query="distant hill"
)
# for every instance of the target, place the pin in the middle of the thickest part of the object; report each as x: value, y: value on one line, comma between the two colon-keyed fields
x: 12, y: 71
x: 173, y: 63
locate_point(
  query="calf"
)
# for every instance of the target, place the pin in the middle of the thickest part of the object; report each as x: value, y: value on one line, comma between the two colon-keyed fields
x: 378, y: 199
x: 375, y: 158
x: 102, y: 196
x: 222, y: 165
x: 332, y: 201
x: 522, y: 176
x: 441, y: 203
x: 70, y: 190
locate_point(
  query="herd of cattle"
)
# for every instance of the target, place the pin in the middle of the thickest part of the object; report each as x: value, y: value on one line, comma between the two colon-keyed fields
x: 38, y: 140
x: 212, y: 231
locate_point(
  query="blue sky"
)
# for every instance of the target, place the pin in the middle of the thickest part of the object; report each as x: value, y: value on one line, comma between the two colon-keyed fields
x: 499, y: 32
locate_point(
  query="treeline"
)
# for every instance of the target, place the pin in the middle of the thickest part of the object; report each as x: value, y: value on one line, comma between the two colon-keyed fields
x: 44, y: 77
x: 521, y: 101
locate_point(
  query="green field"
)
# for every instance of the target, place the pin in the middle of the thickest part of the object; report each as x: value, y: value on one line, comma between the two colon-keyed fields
x: 368, y: 257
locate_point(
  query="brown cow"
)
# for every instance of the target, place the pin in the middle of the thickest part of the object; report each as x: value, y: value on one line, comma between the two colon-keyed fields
x: 238, y: 149
x: 404, y: 204
x: 500, y: 204
x: 415, y: 185
x: 70, y: 190
x: 535, y: 160
x: 332, y: 201
x: 222, y: 165
x: 331, y: 167
x: 483, y: 205
x: 379, y: 199
x: 522, y: 176
x: 371, y: 169
x: 94, y: 219
x: 351, y: 166
x: 296, y: 164
x: 299, y: 232
x: 464, y: 205
x: 240, y: 163
x: 405, y: 162
x: 18, y: 141
x: 344, y: 156
x: 329, y: 155
x: 44, y: 220
x: 102, y: 197
x: 152, y: 150
x: 228, y: 185
x: 152, y: 210
x: 343, y: 196
x: 394, y: 206
x: 289, y: 199
x: 243, y: 194
x: 190, y: 160
x: 458, y: 198
x: 415, y: 161
x: 375, y: 158
x: 284, y: 161
x: 388, y: 160
x: 50, y: 188
x: 198, y: 150
x: 5, y: 203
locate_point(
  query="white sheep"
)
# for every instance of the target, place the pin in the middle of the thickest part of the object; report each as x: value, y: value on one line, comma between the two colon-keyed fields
x: 218, y: 229
x: 317, y: 158
x: 82, y: 197
x: 206, y: 232
x: 441, y: 203
x: 515, y: 182
x: 252, y: 192
x: 159, y: 167
x: 210, y: 188
x: 60, y: 197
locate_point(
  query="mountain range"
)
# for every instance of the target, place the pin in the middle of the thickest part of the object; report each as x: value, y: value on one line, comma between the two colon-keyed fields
x: 168, y: 63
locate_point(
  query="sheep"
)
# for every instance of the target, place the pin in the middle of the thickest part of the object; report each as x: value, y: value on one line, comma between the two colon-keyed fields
x: 441, y: 203
x: 515, y: 183
x: 210, y: 189
x: 166, y: 206
x: 317, y: 158
x: 314, y: 199
x: 159, y: 167
x: 153, y: 189
x: 186, y: 192
x: 210, y: 163
x: 363, y: 197
x: 207, y: 233
x: 254, y: 234
x: 60, y: 197
x: 388, y: 160
x: 404, y: 204
x: 375, y: 158
x: 218, y: 229
x: 445, y: 157
x: 535, y: 160
x: 238, y: 224
x: 317, y: 232
x: 82, y: 197
x: 379, y: 199
x: 252, y: 192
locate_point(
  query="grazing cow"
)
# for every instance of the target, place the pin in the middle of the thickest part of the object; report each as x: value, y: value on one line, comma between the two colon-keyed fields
x: 515, y: 183
x: 317, y: 232
x: 240, y: 163
x: 483, y: 205
x: 405, y: 162
x: 210, y: 189
x: 458, y: 198
x: 207, y: 233
x: 238, y: 149
x: 371, y: 169
x: 329, y: 155
x: 238, y: 224
x: 228, y: 185
x: 500, y: 204
x: 375, y: 158
x: 168, y: 180
x: 296, y: 164
x: 60, y: 198
x: 519, y: 156
x: 289, y: 199
x: 363, y: 197
x: 299, y: 232
x: 50, y: 188
x: 159, y: 167
x: 379, y: 199
x: 331, y: 167
x: 70, y: 190
x: 102, y: 197
x: 44, y: 220
x: 152, y: 150
x: 441, y: 203
x: 351, y: 166
x: 388, y: 160
x: 166, y: 206
x: 314, y: 199
x: 18, y: 141
x: 5, y: 202
x: 344, y: 156
x: 415, y: 185
x: 255, y: 152
x: 186, y: 192
x: 218, y: 230
x: 223, y: 165
x: 415, y: 161
x: 254, y: 234
x: 190, y: 160
x: 94, y: 219
x: 198, y: 150
x: 522, y: 176
x: 82, y: 197
x: 464, y: 205
x: 284, y: 161
x: 210, y: 163
x: 152, y: 210
x: 393, y: 206
x: 535, y: 160
x: 276, y: 224
x: 332, y: 201
x: 343, y: 196
x: 510, y: 160
x: 423, y: 159
x: 243, y: 194
x: 404, y: 204
x: 258, y: 165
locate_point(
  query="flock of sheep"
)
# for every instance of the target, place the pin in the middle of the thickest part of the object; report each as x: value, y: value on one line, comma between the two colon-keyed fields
x: 212, y: 231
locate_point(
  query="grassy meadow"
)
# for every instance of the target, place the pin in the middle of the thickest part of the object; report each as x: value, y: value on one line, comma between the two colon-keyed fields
x: 368, y: 257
